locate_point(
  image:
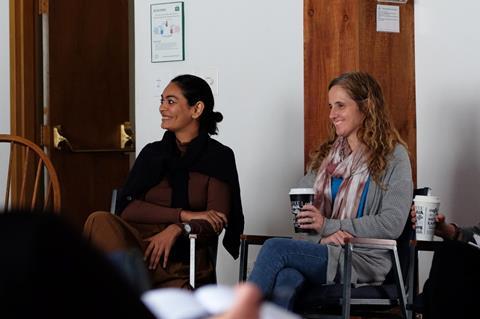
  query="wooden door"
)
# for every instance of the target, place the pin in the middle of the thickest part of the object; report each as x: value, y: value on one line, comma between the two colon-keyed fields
x: 341, y: 36
x: 89, y: 99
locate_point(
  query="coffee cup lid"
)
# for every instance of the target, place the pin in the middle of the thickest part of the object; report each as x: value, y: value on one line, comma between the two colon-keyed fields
x: 300, y: 191
x: 427, y: 199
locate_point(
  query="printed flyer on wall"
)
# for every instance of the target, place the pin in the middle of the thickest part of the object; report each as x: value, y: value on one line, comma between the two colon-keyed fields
x: 167, y: 32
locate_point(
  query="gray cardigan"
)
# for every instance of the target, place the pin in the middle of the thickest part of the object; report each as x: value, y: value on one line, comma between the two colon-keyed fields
x: 384, y: 216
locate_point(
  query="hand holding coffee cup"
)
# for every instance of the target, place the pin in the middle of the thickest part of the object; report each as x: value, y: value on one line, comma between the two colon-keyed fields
x: 442, y: 228
x: 299, y: 197
x: 310, y: 219
x: 426, y: 210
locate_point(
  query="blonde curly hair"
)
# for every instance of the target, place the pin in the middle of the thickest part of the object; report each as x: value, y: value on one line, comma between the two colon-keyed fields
x: 377, y: 131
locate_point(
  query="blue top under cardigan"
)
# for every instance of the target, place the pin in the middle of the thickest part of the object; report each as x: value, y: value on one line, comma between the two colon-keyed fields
x: 337, y: 181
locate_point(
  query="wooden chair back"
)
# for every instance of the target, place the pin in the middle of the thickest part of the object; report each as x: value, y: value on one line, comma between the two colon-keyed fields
x: 32, y: 182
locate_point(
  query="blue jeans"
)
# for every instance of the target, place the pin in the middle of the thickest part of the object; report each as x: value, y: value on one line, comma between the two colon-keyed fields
x: 283, y: 265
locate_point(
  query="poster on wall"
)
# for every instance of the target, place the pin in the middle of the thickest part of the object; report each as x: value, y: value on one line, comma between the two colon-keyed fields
x: 167, y: 32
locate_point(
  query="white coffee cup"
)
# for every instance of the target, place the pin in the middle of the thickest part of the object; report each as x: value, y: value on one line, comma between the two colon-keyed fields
x: 426, y: 208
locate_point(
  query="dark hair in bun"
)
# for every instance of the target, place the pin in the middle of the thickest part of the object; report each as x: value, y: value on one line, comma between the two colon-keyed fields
x: 196, y: 89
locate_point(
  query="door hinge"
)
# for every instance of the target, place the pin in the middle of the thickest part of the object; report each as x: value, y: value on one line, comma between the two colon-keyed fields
x: 45, y: 136
x: 42, y: 7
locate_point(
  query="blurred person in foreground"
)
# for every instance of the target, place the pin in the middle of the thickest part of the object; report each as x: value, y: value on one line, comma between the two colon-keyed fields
x: 48, y: 270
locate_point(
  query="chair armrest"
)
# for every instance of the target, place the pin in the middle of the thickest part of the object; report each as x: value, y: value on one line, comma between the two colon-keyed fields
x: 192, y: 238
x: 372, y: 243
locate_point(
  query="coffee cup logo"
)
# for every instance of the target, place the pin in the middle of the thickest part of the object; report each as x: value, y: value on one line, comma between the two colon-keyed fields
x: 426, y: 208
x: 299, y: 197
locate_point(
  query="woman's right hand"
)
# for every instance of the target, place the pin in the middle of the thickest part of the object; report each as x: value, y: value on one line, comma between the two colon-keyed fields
x: 216, y: 219
x: 310, y: 218
x: 160, y: 245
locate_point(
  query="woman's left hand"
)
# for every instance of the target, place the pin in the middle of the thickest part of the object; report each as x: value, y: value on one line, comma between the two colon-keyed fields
x: 160, y: 245
x: 310, y: 218
x: 337, y: 238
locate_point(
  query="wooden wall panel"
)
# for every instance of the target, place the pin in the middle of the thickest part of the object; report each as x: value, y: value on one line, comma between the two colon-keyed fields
x: 340, y: 36
x: 25, y: 63
x: 328, y: 35
x: 25, y: 82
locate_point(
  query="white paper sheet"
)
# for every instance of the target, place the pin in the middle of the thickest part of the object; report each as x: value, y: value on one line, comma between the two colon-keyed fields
x: 388, y: 18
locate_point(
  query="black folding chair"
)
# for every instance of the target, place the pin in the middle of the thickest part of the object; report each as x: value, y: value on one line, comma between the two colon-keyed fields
x: 344, y: 300
x: 212, y: 248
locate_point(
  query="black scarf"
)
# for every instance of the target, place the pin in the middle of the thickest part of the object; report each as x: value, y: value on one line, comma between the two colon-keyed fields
x: 204, y: 155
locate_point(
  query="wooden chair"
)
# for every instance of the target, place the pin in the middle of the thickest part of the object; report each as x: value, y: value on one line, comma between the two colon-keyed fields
x: 32, y: 182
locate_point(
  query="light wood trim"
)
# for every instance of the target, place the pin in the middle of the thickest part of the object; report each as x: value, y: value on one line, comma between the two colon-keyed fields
x: 38, y: 177
x: 9, y: 178
x: 23, y: 188
x: 25, y: 105
x: 26, y: 96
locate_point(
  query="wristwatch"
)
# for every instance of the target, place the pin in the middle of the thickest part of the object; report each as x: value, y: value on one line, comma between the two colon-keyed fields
x: 187, y: 228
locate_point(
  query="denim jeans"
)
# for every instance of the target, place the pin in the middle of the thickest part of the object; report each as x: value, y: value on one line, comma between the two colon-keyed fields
x: 283, y: 265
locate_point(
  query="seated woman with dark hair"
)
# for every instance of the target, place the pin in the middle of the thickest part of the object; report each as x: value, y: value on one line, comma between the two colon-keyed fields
x: 187, y: 182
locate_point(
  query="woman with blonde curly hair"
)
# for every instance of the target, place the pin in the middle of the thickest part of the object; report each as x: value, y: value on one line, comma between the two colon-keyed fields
x: 363, y: 188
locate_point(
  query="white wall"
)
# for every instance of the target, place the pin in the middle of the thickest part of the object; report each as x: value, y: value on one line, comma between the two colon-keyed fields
x: 4, y: 85
x: 448, y: 105
x: 257, y: 49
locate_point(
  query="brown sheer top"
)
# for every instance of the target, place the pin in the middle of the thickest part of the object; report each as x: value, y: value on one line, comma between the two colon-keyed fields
x: 204, y: 193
